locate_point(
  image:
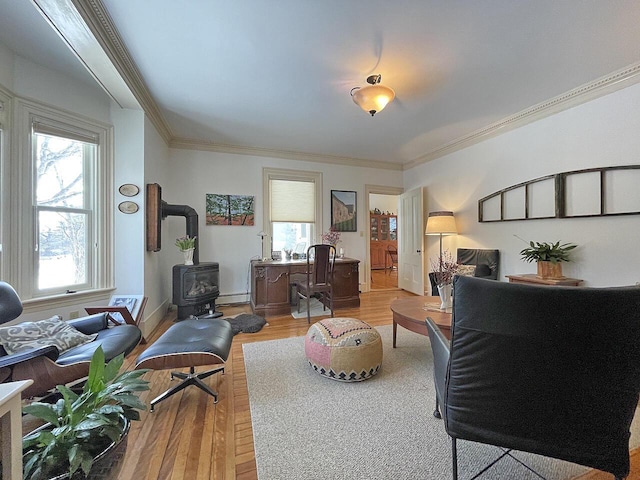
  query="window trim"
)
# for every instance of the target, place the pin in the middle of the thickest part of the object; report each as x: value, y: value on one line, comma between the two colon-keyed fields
x: 19, y: 265
x: 294, y: 175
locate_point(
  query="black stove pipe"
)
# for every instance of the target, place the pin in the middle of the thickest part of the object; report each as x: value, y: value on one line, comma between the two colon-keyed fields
x: 191, y: 217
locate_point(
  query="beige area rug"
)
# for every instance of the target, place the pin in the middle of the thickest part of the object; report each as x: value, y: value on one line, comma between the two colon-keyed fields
x: 316, y: 309
x: 307, y: 427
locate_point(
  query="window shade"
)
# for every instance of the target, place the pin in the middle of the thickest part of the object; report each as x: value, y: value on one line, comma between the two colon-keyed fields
x: 292, y: 201
x: 69, y: 132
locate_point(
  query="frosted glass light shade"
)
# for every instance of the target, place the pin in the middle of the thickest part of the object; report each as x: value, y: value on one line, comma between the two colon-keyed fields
x: 373, y: 98
x: 441, y: 223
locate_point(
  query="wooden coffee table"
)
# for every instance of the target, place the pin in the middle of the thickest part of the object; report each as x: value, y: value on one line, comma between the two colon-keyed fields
x: 412, y: 312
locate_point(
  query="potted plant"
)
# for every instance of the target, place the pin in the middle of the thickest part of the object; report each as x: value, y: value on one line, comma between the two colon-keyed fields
x: 549, y: 257
x: 84, y: 428
x: 187, y: 245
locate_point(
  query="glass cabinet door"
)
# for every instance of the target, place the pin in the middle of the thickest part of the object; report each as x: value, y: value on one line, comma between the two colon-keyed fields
x: 393, y: 228
x: 384, y: 228
x: 374, y: 229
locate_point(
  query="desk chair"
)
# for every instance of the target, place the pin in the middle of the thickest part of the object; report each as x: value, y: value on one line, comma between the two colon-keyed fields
x: 318, y: 280
x: 393, y: 255
x: 553, y: 371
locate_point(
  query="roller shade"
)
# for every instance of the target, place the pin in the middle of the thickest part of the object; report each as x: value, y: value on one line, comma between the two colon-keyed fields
x: 292, y: 201
x: 66, y: 131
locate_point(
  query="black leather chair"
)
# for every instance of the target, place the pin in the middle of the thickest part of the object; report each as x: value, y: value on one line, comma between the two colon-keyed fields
x: 318, y: 279
x: 553, y: 371
x: 45, y: 365
x: 486, y: 261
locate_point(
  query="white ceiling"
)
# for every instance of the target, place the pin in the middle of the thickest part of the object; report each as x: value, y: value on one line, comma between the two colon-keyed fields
x: 277, y: 75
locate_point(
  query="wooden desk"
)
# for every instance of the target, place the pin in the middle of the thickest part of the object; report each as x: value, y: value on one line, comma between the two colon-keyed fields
x: 411, y: 313
x: 271, y: 285
x: 533, y: 279
x: 11, y: 427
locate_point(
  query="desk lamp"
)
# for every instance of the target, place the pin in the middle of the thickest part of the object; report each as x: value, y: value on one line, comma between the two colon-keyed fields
x: 262, y: 234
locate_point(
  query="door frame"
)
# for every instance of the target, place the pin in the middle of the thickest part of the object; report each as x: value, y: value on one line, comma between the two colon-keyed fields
x: 380, y: 190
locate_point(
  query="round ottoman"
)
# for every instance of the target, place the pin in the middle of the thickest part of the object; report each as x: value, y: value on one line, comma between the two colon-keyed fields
x: 344, y: 349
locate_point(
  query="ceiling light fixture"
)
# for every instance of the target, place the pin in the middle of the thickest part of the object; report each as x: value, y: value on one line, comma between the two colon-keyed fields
x: 373, y: 97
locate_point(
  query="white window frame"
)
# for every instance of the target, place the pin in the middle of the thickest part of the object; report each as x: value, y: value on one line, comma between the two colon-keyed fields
x: 269, y: 174
x: 20, y: 256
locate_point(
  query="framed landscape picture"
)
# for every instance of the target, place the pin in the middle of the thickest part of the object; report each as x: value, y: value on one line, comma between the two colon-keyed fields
x: 230, y: 209
x: 343, y: 211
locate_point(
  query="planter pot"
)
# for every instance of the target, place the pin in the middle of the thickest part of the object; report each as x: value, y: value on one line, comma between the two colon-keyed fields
x: 549, y: 270
x: 445, y: 296
x: 107, y: 464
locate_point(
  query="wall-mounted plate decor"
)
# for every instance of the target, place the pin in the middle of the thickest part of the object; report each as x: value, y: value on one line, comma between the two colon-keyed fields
x: 129, y: 190
x: 128, y: 207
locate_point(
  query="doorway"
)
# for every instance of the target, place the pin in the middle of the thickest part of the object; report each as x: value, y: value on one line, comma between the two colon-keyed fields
x: 383, y: 241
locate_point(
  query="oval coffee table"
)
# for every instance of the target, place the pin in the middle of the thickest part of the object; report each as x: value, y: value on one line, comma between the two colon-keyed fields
x: 412, y: 312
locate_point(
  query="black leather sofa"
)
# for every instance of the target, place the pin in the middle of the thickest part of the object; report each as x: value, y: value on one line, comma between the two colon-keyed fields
x: 46, y: 366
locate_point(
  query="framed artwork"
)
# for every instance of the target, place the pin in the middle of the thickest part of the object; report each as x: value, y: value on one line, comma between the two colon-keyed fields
x: 123, y: 309
x: 230, y: 209
x: 343, y: 211
x: 132, y: 303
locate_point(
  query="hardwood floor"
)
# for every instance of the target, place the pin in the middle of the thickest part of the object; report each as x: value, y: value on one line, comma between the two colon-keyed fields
x: 384, y: 279
x: 189, y: 437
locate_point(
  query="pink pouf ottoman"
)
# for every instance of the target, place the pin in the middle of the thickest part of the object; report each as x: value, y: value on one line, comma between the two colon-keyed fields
x: 344, y: 349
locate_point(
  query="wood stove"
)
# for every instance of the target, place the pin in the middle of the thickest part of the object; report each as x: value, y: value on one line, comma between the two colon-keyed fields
x: 195, y: 289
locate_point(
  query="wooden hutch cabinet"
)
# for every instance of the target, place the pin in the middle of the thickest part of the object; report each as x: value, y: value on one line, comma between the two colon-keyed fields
x: 384, y: 233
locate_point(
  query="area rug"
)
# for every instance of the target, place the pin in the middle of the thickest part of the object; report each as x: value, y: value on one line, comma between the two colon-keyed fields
x: 307, y: 427
x: 245, y: 323
x: 316, y: 309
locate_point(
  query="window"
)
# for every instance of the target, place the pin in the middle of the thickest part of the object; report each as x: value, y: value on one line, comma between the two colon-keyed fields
x: 63, y: 204
x: 62, y: 239
x: 293, y: 208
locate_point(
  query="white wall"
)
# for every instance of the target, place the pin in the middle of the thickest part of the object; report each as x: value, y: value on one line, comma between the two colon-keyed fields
x: 40, y: 83
x: 157, y: 265
x: 129, y: 231
x: 384, y: 203
x: 603, y: 132
x: 6, y: 67
x: 196, y: 173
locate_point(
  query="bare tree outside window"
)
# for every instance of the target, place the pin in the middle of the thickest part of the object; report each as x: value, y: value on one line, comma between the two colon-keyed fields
x: 62, y: 174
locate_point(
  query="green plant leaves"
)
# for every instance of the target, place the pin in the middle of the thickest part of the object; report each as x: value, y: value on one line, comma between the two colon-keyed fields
x: 81, y: 425
x: 547, y: 252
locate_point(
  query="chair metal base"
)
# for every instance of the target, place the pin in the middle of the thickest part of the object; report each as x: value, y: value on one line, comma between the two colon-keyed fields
x: 190, y: 378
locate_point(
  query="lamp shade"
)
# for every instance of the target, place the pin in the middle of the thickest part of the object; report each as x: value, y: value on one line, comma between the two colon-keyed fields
x: 441, y: 223
x: 373, y: 98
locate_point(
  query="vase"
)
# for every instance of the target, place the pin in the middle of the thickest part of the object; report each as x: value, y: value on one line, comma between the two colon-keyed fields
x: 445, y: 296
x: 188, y: 256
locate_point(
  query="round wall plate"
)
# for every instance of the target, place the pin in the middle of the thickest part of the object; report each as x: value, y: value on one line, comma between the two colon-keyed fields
x: 129, y: 190
x: 128, y: 207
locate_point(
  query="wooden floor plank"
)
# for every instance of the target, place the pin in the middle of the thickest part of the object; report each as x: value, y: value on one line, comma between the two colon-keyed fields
x: 188, y: 436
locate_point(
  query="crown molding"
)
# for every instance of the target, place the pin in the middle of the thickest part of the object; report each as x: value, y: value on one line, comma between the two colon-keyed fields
x: 604, y: 85
x: 192, y: 144
x: 101, y: 26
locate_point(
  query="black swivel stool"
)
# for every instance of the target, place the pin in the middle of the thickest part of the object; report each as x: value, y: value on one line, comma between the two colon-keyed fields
x: 190, y: 343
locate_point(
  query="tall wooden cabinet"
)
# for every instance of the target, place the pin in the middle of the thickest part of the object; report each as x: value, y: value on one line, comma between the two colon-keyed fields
x: 384, y: 233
